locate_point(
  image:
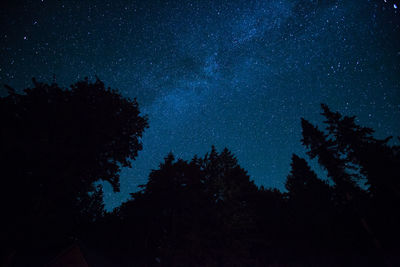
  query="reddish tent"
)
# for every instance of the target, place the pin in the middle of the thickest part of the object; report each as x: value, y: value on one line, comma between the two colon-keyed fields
x: 72, y: 256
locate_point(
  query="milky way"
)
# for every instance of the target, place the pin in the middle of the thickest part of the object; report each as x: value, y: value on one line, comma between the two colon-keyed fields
x: 236, y: 74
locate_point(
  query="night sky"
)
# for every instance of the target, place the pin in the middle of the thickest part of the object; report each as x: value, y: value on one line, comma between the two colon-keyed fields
x: 236, y: 74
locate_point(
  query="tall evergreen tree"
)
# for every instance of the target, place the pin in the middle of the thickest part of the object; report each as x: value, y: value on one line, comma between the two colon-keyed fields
x: 310, y: 202
x: 374, y: 158
x: 350, y: 153
x: 303, y: 182
x: 378, y: 163
x: 320, y: 145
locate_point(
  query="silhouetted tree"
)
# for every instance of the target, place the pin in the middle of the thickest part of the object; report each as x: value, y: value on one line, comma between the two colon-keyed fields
x: 188, y: 213
x: 311, y: 208
x: 230, y: 188
x: 378, y: 163
x: 320, y: 145
x: 303, y: 184
x: 269, y: 238
x: 351, y: 155
x: 375, y: 159
x: 56, y: 143
x: 207, y: 211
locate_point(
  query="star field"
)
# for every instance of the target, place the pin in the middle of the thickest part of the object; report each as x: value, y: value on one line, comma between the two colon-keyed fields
x: 236, y: 74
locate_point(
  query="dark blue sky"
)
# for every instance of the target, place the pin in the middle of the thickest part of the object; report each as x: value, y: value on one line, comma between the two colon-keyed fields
x: 238, y: 74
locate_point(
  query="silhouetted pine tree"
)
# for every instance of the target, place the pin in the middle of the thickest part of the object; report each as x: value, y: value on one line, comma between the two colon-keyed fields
x: 303, y: 184
x: 379, y: 164
x: 311, y: 209
x: 376, y: 160
x: 325, y: 149
x: 351, y: 154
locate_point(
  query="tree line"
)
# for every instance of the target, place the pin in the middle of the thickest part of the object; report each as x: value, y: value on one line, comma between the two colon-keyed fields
x: 58, y: 143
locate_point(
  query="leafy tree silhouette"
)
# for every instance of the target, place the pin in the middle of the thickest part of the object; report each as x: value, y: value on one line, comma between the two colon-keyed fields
x: 56, y: 143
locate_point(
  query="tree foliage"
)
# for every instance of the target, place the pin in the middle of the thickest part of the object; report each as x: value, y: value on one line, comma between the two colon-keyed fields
x: 203, y: 212
x: 56, y: 143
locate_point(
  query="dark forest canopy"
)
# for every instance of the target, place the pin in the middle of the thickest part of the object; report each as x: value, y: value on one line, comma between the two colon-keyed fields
x: 57, y: 143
